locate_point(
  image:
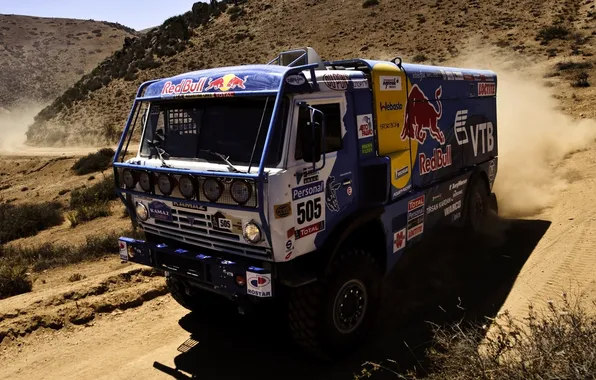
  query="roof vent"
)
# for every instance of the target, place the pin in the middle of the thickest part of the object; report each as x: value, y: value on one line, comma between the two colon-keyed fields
x: 299, y: 57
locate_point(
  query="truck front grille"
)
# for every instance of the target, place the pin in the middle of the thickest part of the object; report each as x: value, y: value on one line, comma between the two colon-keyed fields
x: 195, y: 228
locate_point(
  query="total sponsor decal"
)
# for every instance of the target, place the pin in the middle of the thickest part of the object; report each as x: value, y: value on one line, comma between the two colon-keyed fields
x: 422, y: 119
x: 440, y: 159
x: 309, y: 230
x: 482, y: 134
x: 389, y: 83
x: 308, y: 190
x: 387, y: 106
x: 399, y: 240
x: 415, y: 217
x: 365, y: 126
x: 337, y: 82
x: 453, y: 207
x: 258, y: 285
x: 437, y: 206
x: 487, y: 89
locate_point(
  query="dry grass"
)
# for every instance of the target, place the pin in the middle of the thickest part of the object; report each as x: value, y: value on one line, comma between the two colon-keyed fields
x: 18, y: 221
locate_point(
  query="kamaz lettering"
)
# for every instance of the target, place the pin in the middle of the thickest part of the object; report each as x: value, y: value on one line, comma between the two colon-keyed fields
x: 312, y: 189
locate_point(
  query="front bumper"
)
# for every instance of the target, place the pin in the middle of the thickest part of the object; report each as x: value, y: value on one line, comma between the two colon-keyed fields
x: 212, y: 273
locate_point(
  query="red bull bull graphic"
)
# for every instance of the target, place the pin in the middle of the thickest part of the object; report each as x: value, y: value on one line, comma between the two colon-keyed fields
x: 226, y: 83
x: 422, y: 118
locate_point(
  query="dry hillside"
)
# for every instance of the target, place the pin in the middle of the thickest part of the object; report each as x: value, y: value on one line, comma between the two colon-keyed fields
x: 41, y: 57
x: 429, y: 31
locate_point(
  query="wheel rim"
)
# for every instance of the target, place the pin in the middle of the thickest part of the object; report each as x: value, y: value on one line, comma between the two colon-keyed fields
x: 349, y: 307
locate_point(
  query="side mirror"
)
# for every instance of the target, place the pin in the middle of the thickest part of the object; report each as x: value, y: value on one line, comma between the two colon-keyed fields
x: 312, y: 135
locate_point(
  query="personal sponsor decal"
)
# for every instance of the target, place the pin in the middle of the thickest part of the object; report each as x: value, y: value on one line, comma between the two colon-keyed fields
x: 308, y: 190
x: 388, y: 106
x: 331, y: 194
x: 337, y: 82
x: 481, y: 135
x: 487, y: 89
x: 415, y: 217
x: 295, y: 80
x: 423, y: 118
x: 401, y: 172
x: 440, y: 159
x: 366, y: 148
x: 283, y: 210
x: 458, y: 184
x: 452, y: 207
x: 437, y: 206
x: 258, y: 285
x: 365, y: 126
x: 160, y: 211
x: 402, y: 191
x: 390, y: 125
x: 399, y: 240
x: 309, y: 230
x: 389, y: 83
x: 189, y: 206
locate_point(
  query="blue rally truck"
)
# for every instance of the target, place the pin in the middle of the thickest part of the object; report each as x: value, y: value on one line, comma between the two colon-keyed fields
x: 304, y: 180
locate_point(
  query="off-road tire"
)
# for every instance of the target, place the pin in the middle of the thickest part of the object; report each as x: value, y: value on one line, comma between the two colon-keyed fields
x: 177, y: 290
x: 478, y: 206
x: 311, y: 307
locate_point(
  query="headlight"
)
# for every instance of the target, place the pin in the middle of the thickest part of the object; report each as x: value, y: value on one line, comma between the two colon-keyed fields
x: 129, y: 179
x: 251, y: 232
x: 142, y: 212
x: 145, y: 181
x: 212, y: 189
x: 240, y: 191
x: 164, y: 182
x: 187, y: 186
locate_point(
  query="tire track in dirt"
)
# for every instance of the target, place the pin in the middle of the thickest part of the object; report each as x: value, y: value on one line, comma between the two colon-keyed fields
x: 123, y: 291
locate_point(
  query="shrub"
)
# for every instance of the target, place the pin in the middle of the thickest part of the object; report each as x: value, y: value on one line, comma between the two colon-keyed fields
x: 581, y: 80
x: 419, y: 58
x: 102, y: 192
x: 370, y: 3
x: 28, y: 219
x: 13, y: 279
x: 549, y: 33
x: 94, y: 162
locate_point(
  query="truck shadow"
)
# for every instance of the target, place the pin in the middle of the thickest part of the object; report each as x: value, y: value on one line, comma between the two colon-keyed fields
x: 449, y: 277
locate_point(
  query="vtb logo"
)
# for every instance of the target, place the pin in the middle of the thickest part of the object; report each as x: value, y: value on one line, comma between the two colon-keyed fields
x: 482, y: 134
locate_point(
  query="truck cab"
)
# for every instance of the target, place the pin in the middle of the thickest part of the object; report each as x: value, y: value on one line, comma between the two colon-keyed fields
x: 303, y: 180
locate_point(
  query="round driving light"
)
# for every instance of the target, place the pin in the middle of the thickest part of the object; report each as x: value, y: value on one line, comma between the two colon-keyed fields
x: 164, y: 182
x: 240, y: 191
x: 212, y: 189
x: 142, y: 212
x: 145, y: 181
x: 251, y: 233
x: 129, y: 179
x: 187, y: 186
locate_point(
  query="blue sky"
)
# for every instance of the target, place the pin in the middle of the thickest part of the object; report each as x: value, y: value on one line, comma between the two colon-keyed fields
x: 136, y: 14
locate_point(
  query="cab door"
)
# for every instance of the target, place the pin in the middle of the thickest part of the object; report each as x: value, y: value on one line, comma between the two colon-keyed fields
x: 322, y: 198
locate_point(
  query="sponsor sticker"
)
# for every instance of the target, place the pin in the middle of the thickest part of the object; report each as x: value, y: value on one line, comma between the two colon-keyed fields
x: 388, y: 106
x: 366, y: 148
x: 401, y: 172
x: 415, y: 217
x: 123, y: 250
x: 492, y: 170
x: 226, y: 223
x: 337, y: 82
x: 432, y: 208
x: 309, y: 230
x: 283, y: 210
x: 308, y: 190
x: 349, y: 190
x: 452, y: 207
x: 487, y: 89
x: 258, y: 284
x: 402, y: 191
x: 295, y: 80
x: 390, y: 83
x: 399, y: 240
x: 458, y: 184
x: 360, y: 83
x: 415, y: 231
x: 416, y: 203
x: 289, y: 245
x: 160, y: 211
x: 364, y: 125
x: 440, y: 159
x: 189, y: 206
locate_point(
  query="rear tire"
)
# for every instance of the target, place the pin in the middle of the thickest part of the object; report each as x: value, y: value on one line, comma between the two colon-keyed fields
x: 479, y: 206
x: 336, y: 314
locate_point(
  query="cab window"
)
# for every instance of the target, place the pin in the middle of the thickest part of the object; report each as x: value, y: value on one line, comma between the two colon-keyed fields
x: 333, y: 140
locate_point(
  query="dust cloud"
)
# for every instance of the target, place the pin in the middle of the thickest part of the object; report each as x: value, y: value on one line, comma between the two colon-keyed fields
x: 13, y: 126
x: 533, y: 135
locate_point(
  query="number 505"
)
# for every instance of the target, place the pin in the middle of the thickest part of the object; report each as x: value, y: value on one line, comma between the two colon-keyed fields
x: 309, y: 210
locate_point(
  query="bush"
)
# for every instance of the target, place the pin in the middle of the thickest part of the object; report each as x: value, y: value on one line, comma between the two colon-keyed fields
x: 102, y: 192
x: 13, y: 279
x: 370, y: 3
x: 581, y: 80
x: 28, y: 219
x: 94, y: 162
x: 552, y: 32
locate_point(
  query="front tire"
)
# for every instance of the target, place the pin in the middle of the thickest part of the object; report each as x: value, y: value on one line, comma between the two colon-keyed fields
x: 336, y: 314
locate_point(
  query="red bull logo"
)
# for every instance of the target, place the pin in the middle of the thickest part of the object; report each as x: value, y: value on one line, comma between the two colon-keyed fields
x: 422, y: 118
x: 226, y: 83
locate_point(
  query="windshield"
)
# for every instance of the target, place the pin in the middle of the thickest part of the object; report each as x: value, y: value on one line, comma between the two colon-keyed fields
x: 195, y: 129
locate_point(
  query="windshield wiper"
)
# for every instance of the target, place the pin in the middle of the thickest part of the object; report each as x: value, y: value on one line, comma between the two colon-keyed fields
x: 224, y: 158
x: 160, y: 152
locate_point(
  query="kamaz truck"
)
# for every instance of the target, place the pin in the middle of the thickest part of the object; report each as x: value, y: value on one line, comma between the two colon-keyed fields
x: 304, y: 181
